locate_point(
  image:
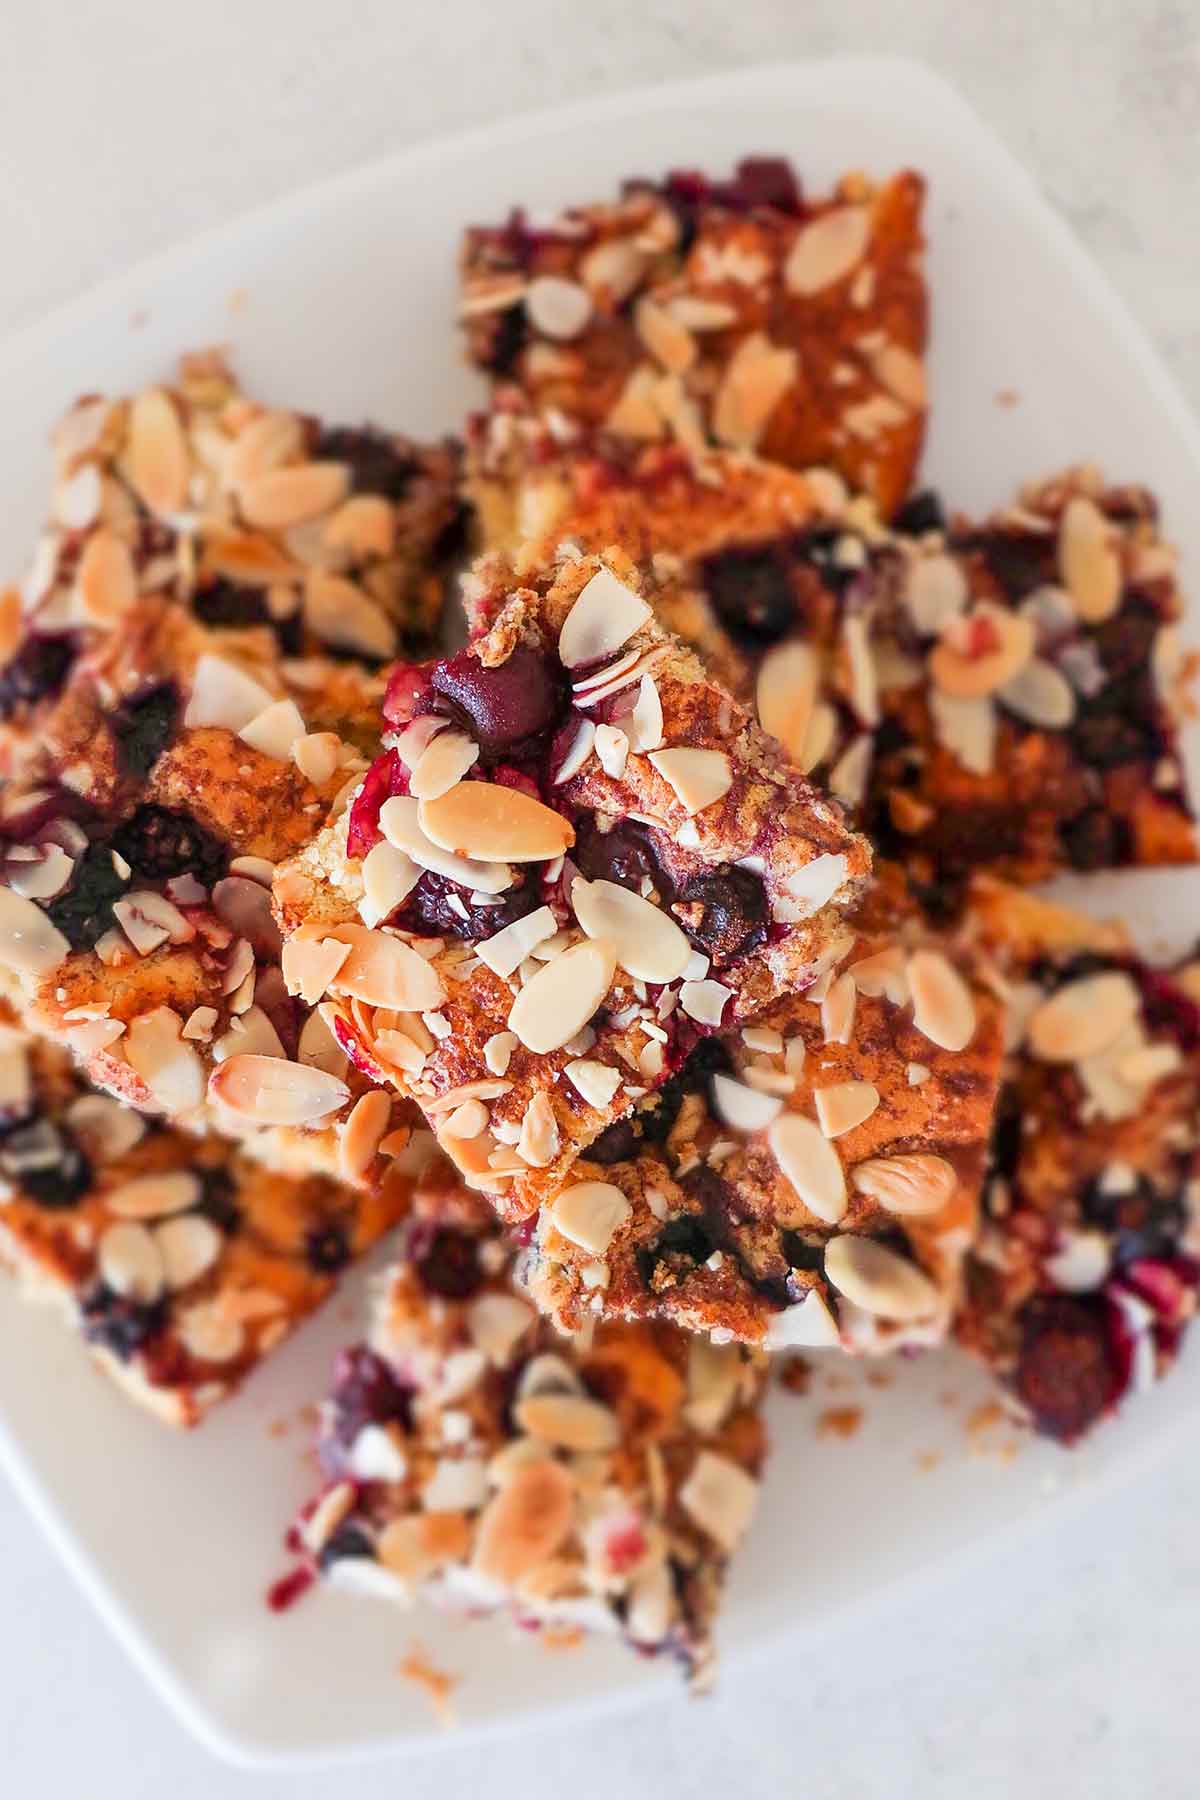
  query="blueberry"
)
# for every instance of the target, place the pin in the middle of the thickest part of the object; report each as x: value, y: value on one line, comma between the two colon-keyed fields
x: 1018, y: 561
x: 619, y: 1143
x: 218, y: 1201
x: 1066, y: 1372
x: 226, y: 606
x: 365, y: 1392
x: 923, y: 512
x: 43, y: 1159
x: 119, y: 1324
x: 1143, y: 1222
x: 84, y: 912
x: 159, y: 844
x: 734, y: 917
x: 508, y: 336
x: 36, y: 672
x: 624, y: 855
x: 449, y: 1265
x: 1106, y: 737
x: 143, y: 728
x: 439, y: 907
x: 506, y: 709
x: 347, y: 1540
x: 376, y: 465
x: 751, y: 593
x: 327, y: 1249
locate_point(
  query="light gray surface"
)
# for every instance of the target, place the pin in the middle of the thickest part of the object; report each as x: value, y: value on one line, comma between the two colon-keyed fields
x: 1065, y: 1668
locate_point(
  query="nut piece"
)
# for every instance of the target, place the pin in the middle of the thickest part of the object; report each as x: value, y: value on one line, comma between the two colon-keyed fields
x: 400, y: 822
x: 525, y: 1523
x: 943, y: 1009
x: 786, y: 694
x: 909, y: 1185
x: 271, y: 1091
x: 497, y: 824
x: 562, y: 996
x: 845, y: 1105
x: 130, y: 1262
x: 809, y: 1161
x: 743, y: 1108
x: 381, y: 970
x: 189, y: 1247
x: 284, y: 497
x: 556, y: 307
x: 158, y: 453
x: 590, y: 1213
x: 1084, y: 1017
x: 1087, y: 560
x: 605, y: 616
x: 699, y: 777
x: 154, y: 1196
x: 981, y: 651
x: 568, y: 1421
x: 758, y: 376
x: 827, y: 250
x: 877, y: 1279
x: 442, y: 764
x: 29, y: 944
x: 649, y: 945
x: 720, y: 1497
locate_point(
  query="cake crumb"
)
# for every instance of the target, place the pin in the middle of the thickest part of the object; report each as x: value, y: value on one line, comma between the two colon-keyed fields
x: 928, y: 1460
x: 795, y: 1374
x: 561, y: 1637
x: 879, y: 1378
x: 839, y: 1421
x: 433, y: 1682
x: 1008, y: 397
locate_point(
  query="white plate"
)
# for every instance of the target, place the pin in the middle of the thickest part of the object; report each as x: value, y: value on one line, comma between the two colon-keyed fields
x: 348, y: 297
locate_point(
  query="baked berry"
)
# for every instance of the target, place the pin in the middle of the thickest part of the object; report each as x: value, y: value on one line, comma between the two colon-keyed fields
x: 1125, y: 641
x: 508, y: 708
x: 438, y: 907
x: 143, y: 728
x: 376, y: 464
x: 617, y: 1144
x: 1018, y: 561
x: 685, y: 1240
x: 36, y: 672
x: 365, y: 1392
x: 218, y: 1201
x: 624, y: 855
x: 84, y: 912
x: 327, y: 1249
x: 117, y: 1323
x: 1143, y: 1223
x: 507, y: 338
x: 159, y: 844
x: 226, y: 606
x: 46, y: 1163
x: 751, y: 594
x: 1107, y: 737
x: 762, y: 181
x: 1066, y: 1372
x: 923, y: 512
x: 1095, y: 839
x: 449, y: 1265
x: 386, y: 776
x: 725, y: 915
x: 409, y: 692
x: 347, y: 1540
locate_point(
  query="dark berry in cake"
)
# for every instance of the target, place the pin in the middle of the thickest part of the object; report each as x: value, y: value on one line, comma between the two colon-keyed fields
x: 684, y: 1240
x: 225, y: 606
x: 218, y: 1201
x: 508, y: 337
x: 365, y: 1392
x: 117, y: 1323
x: 377, y: 465
x: 386, y: 776
x: 751, y: 594
x: 1066, y: 1373
x: 449, y: 1265
x: 159, y: 844
x: 36, y: 672
x: 725, y: 915
x: 1142, y: 1222
x: 327, y: 1249
x: 84, y: 912
x: 439, y: 907
x: 45, y: 1162
x: 1095, y: 839
x: 506, y: 709
x: 347, y: 1540
x: 923, y: 512
x: 624, y: 855
x: 143, y: 729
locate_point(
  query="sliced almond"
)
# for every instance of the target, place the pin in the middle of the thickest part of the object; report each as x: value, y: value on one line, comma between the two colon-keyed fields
x: 106, y: 1129
x: 30, y: 945
x: 389, y: 877
x: 363, y: 526
x: 1084, y: 1017
x: 506, y: 951
x: 879, y: 1280
x: 845, y: 1105
x: 539, y: 1142
x: 78, y: 498
x: 443, y: 764
x: 901, y: 373
x: 159, y: 466
x: 981, y: 652
x: 341, y: 614
x: 310, y: 964
x: 224, y: 695
x: 613, y: 269
x: 189, y: 1247
x: 558, y: 308
x: 400, y: 822
x: 154, y: 1196
x: 666, y: 338
x: 568, y: 1421
x: 271, y: 1091
x: 810, y: 1163
x: 649, y: 944
x: 612, y: 750
x: 699, y: 778
x: 1088, y: 562
x: 636, y: 413
x: 883, y: 975
x: 595, y: 1082
x: 935, y: 591
x: 562, y: 996
x: 526, y: 1522
x: 742, y: 1108
x: 758, y: 376
x: 828, y: 250
x: 644, y: 725
x: 720, y: 1497
x: 943, y: 1006
x: 838, y: 1009
x: 268, y: 441
x: 283, y: 497
x: 911, y: 1186
x: 815, y: 883
x: 382, y: 970
x: 704, y: 1001
x: 155, y: 1049
x: 106, y: 579
x: 967, y: 729
x: 786, y: 694
x: 275, y: 729
x: 579, y: 750
x: 497, y: 824
x: 130, y: 1263
x: 1040, y: 696
x: 605, y: 615
x: 363, y: 1133
x: 497, y: 1323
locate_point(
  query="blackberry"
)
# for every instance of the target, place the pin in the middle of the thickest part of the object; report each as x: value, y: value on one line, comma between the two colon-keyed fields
x: 226, y: 606
x: 84, y: 912
x: 37, y: 671
x: 923, y: 512
x: 365, y: 1392
x: 376, y: 465
x: 450, y: 1265
x: 143, y: 728
x: 46, y: 1163
x: 159, y: 844
x: 327, y: 1249
x: 734, y: 917
x: 347, y: 1540
x: 120, y: 1324
x: 218, y: 1201
x: 751, y: 594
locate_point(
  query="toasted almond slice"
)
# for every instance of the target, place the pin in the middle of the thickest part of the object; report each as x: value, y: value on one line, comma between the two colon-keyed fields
x: 614, y: 269
x: 636, y: 413
x: 901, y: 373
x: 967, y: 729
x: 497, y: 824
x: 612, y: 750
x: 884, y: 974
x: 605, y: 615
x: 526, y: 1522
x: 106, y: 579
x: 758, y: 375
x: 810, y: 1163
x: 506, y: 951
x: 382, y: 970
x: 389, y: 876
x: 275, y: 729
x: 222, y: 694
x: 742, y: 1108
x: 29, y: 944
x: 1088, y: 561
x: 578, y: 752
x: 130, y: 1263
x: 363, y: 1133
x: 106, y: 1129
x: 562, y: 996
x: 649, y: 944
x: 828, y: 250
x: 911, y: 1186
x: 845, y: 1105
x: 245, y: 556
x: 596, y: 1082
x: 838, y: 1009
x: 340, y: 613
x: 966, y: 672
x: 720, y: 1497
x: 400, y: 822
x: 154, y: 1196
x: 568, y: 1421
x: 189, y: 1247
x: 268, y: 441
x: 159, y: 465
x: 699, y: 778
x: 879, y: 1280
x: 310, y: 964
x: 809, y: 1325
x: 935, y: 591
x: 665, y: 336
x: 704, y: 1001
x: 1040, y: 696
x: 155, y: 1049
x: 1084, y: 1017
x: 271, y: 1091
x: 556, y: 307
x: 786, y: 694
x: 468, y: 1090
x: 590, y: 1213
x: 644, y: 726
x: 364, y: 525
x: 317, y: 755
x: 815, y: 883
x: 282, y: 497
x: 943, y: 1007
x: 442, y: 764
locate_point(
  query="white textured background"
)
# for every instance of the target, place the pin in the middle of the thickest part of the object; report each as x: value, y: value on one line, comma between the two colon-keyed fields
x: 1064, y: 1668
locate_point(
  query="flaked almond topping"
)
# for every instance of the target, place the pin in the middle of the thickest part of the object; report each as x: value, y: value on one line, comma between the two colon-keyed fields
x: 742, y: 1108
x: 539, y: 1142
x: 558, y: 308
x: 382, y: 970
x: 699, y: 778
x: 612, y: 750
x: 981, y: 651
x: 884, y: 974
x: 644, y: 725
x: 720, y: 1497
x: 77, y: 499
x: 188, y: 1247
x: 828, y: 250
x: 498, y: 824
x: 758, y: 376
x: 363, y: 526
x: 911, y: 1186
x: 967, y: 729
x: 44, y: 875
x: 568, y: 1421
x: 363, y: 1133
x: 943, y: 1008
x: 613, y: 269
x: 468, y: 1090
x: 442, y: 764
x: 699, y: 314
x: 819, y: 739
x: 815, y: 883
x: 130, y: 1263
x: 154, y: 1196
x: 665, y: 336
x: 400, y: 822
x: 466, y: 1121
x: 704, y: 1001
x: 525, y: 1523
x: 1088, y: 562
x: 636, y: 412
x: 649, y: 945
x: 809, y: 1325
x: 810, y: 1163
x: 275, y: 729
x: 935, y: 591
x: 838, y: 1008
x: 317, y: 755
x: 630, y: 671
x: 579, y: 750
x: 106, y: 579
x: 506, y: 951
x: 845, y: 1105
x: 562, y: 996
x: 159, y: 466
x: 786, y: 694
x: 171, y: 1069
x: 604, y: 617
x: 497, y: 1052
x: 224, y: 695
x: 319, y: 1048
x: 29, y: 944
x: 901, y: 373
x: 341, y: 614
x: 595, y: 1082
x: 106, y: 1129
x: 389, y: 877
x: 864, y: 683
x: 1084, y: 1017
x: 850, y: 773
x: 1040, y: 696
x: 310, y: 964
x: 283, y: 497
x: 268, y: 441
x: 272, y: 1091
x: 878, y: 1279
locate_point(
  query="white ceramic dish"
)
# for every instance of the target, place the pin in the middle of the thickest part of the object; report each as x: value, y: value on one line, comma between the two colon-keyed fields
x: 341, y: 300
